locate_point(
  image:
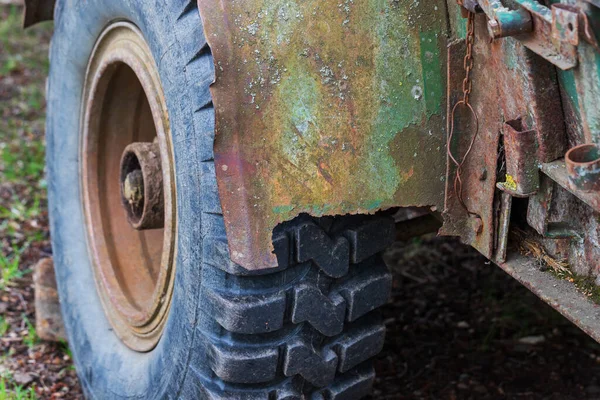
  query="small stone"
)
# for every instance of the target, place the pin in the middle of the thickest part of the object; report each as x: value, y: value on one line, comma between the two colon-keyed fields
x: 480, y: 389
x: 48, y: 319
x: 463, y: 325
x: 532, y: 340
x: 593, y: 389
x: 22, y: 378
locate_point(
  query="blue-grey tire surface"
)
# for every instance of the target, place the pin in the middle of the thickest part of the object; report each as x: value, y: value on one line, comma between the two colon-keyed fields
x: 303, y: 330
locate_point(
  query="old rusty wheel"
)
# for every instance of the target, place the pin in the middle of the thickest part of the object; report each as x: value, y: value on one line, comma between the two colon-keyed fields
x: 153, y: 305
x: 127, y: 184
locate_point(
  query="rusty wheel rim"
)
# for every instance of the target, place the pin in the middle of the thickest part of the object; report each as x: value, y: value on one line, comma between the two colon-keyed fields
x: 124, y: 103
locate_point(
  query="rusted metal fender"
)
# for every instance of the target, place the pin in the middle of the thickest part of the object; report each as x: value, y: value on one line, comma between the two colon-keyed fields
x: 324, y: 108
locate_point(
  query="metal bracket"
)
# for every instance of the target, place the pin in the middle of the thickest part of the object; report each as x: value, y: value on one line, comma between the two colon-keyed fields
x: 520, y: 145
x: 557, y: 171
x: 553, y: 33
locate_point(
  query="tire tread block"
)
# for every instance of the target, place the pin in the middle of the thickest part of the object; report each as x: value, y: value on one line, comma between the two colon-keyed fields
x: 353, y: 385
x: 359, y: 345
x: 330, y: 255
x: 248, y: 314
x: 349, y: 301
x: 240, y: 363
x: 366, y: 291
x: 325, y: 313
x: 370, y: 237
x: 330, y: 305
x: 244, y: 365
x: 316, y: 367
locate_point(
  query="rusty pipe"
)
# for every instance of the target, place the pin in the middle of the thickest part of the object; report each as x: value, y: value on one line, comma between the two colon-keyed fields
x: 583, y: 167
x: 504, y: 22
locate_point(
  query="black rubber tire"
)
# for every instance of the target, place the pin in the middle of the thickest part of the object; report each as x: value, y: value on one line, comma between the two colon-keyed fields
x: 302, y: 329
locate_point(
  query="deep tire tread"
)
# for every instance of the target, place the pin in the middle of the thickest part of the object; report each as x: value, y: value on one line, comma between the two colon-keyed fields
x: 325, y: 318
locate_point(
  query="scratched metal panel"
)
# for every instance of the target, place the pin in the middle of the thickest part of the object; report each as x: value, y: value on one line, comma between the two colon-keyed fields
x: 324, y: 108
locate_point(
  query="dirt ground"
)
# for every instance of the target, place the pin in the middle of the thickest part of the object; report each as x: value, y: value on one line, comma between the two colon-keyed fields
x: 458, y: 327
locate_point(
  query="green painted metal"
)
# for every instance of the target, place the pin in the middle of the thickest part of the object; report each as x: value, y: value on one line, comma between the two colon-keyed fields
x: 324, y: 108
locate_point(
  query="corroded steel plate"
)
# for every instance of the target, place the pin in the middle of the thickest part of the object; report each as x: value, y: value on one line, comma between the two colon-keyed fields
x: 324, y: 108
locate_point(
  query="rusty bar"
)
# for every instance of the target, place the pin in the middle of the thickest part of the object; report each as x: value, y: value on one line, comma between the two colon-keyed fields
x: 561, y: 294
x: 504, y: 22
x: 510, y: 23
x: 417, y: 226
x: 583, y: 166
x: 561, y: 54
x: 538, y: 207
x: 503, y: 226
x: 520, y: 145
x: 531, y: 23
x: 557, y: 171
x: 479, y: 172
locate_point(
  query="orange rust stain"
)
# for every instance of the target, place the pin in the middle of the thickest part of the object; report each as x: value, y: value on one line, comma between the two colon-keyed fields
x: 407, y: 175
x: 324, y: 172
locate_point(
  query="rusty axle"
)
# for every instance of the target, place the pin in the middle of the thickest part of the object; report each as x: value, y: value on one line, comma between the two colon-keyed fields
x: 142, y: 186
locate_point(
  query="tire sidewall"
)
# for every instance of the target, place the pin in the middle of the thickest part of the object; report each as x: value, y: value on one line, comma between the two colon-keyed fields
x: 107, y: 368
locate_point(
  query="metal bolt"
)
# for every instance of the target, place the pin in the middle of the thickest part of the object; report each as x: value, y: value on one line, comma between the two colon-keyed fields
x: 494, y: 29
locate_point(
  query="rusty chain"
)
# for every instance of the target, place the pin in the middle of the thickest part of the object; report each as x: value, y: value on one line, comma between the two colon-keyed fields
x: 467, y: 86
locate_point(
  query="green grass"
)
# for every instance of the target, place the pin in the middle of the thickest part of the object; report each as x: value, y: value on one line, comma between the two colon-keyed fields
x: 4, y: 326
x: 16, y: 393
x: 9, y: 268
x: 23, y: 70
x: 31, y: 338
x: 23, y: 159
x: 23, y: 206
x: 21, y: 211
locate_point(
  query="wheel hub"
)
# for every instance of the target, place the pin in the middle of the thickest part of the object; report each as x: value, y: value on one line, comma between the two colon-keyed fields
x: 142, y: 186
x: 127, y: 185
